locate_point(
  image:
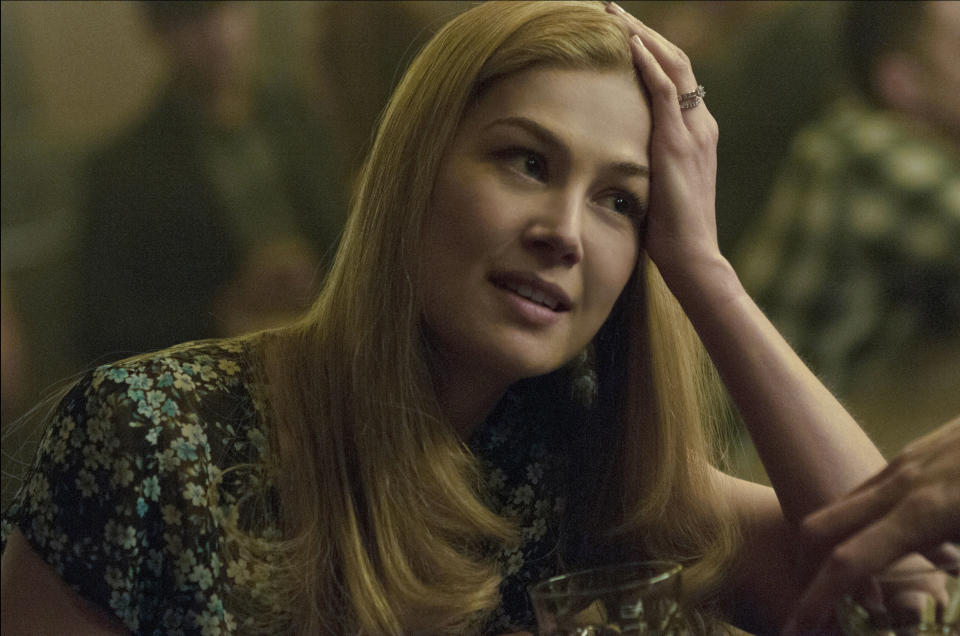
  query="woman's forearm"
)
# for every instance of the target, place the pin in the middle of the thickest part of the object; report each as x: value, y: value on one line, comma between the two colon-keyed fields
x: 812, y: 449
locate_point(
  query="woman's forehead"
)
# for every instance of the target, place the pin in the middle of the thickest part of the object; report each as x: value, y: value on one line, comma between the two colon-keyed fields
x: 607, y: 104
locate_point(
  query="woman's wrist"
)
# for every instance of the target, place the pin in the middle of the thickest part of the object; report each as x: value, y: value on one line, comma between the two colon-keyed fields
x: 702, y: 281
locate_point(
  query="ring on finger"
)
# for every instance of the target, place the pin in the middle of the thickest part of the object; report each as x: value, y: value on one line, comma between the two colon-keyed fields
x: 692, y: 99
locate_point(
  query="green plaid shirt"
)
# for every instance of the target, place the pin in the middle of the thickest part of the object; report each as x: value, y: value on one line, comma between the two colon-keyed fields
x: 857, y: 258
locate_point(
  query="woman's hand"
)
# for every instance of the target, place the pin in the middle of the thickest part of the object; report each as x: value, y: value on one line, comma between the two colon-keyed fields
x: 911, y: 506
x: 681, y: 227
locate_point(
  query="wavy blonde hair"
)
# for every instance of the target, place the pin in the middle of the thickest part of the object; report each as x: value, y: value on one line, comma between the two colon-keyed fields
x: 380, y: 502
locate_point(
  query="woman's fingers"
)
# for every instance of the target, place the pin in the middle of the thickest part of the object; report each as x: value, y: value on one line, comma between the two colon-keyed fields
x: 919, y: 523
x: 870, y: 501
x: 913, y: 505
x: 668, y: 74
x: 925, y: 466
x: 663, y: 92
x: 671, y: 58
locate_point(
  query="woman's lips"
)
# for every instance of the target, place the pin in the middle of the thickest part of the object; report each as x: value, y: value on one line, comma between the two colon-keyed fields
x: 533, y: 300
x: 534, y: 289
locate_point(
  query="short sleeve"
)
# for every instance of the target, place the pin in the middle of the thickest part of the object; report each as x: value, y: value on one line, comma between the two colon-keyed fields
x: 83, y: 509
x: 118, y: 503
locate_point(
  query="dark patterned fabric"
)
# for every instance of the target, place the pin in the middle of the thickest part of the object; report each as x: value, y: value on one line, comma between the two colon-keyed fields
x: 117, y: 500
x: 525, y: 474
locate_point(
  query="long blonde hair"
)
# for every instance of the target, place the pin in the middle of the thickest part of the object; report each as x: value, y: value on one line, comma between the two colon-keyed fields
x: 380, y: 502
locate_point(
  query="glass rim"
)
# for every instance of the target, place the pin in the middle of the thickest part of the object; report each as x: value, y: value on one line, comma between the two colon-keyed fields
x: 670, y: 568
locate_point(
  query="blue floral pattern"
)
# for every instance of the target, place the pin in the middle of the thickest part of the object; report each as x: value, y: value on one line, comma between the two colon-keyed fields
x: 119, y: 498
x: 132, y: 484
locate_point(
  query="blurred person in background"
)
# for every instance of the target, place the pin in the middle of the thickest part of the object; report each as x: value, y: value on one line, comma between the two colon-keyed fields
x: 214, y: 213
x: 37, y: 216
x: 857, y: 258
x: 361, y: 50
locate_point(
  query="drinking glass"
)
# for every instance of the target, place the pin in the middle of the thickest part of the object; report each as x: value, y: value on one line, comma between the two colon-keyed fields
x: 632, y: 598
x: 915, y: 596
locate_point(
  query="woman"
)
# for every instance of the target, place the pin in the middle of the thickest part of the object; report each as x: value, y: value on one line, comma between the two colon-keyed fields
x: 496, y: 383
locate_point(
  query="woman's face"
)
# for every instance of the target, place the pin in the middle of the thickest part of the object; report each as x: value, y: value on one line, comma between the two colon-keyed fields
x: 531, y: 232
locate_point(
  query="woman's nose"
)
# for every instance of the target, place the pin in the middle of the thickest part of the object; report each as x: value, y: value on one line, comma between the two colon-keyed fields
x: 557, y: 231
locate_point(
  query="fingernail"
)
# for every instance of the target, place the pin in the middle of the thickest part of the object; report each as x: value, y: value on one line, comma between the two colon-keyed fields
x: 637, y: 40
x: 617, y: 7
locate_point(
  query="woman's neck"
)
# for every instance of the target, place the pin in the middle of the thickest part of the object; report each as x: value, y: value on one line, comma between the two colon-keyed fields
x: 466, y: 394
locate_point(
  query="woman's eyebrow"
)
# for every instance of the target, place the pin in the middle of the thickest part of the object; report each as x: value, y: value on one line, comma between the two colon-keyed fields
x: 621, y: 168
x: 530, y: 126
x: 630, y: 169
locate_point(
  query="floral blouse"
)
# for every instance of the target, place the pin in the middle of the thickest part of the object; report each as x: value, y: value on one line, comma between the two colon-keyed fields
x: 117, y: 499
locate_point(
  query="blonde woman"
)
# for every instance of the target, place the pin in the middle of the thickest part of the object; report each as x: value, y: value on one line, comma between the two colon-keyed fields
x: 499, y: 381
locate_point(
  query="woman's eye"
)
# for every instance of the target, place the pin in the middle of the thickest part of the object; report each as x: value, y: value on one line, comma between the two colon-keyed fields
x: 526, y: 162
x: 622, y: 203
x: 534, y: 166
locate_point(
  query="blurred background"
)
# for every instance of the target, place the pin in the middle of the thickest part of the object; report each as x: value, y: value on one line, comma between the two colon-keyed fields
x: 174, y: 171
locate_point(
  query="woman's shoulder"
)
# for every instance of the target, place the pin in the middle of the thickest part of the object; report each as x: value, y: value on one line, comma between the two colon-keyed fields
x: 136, y: 473
x: 208, y: 379
x: 203, y: 394
x: 205, y: 365
x: 177, y: 418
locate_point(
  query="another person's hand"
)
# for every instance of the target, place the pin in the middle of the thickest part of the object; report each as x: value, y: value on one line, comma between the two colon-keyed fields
x: 681, y: 228
x: 12, y: 356
x: 911, y: 506
x: 275, y: 285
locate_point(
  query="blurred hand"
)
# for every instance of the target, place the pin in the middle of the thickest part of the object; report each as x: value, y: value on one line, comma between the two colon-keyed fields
x: 275, y: 285
x: 12, y: 357
x: 913, y: 505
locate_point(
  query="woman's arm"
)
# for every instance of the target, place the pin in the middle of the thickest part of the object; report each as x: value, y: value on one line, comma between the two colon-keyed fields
x: 812, y: 449
x: 763, y: 583
x: 34, y: 600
